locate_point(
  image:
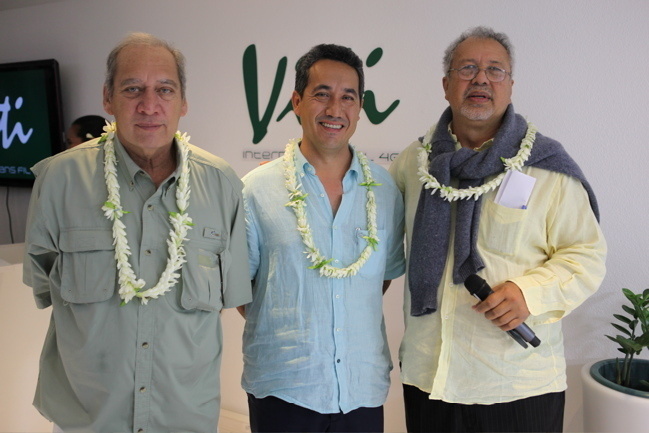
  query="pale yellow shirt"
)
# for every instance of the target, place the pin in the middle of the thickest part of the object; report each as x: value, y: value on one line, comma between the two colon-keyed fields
x: 554, y: 251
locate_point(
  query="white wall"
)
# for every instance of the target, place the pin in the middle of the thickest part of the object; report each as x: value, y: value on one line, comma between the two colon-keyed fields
x: 580, y: 77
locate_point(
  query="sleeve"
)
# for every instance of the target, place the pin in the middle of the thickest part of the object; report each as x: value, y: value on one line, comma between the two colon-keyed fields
x: 396, y: 264
x: 41, y: 250
x: 576, y: 251
x: 251, y: 233
x: 237, y: 284
x: 396, y: 170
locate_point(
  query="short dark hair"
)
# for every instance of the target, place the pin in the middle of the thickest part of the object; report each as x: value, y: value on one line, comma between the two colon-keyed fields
x: 480, y: 32
x: 328, y: 52
x: 90, y: 127
x: 148, y: 40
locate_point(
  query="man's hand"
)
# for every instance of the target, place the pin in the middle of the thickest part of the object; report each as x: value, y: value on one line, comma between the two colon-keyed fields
x: 505, y: 307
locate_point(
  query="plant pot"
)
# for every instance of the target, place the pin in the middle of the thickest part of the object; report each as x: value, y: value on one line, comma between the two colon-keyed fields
x: 609, y: 407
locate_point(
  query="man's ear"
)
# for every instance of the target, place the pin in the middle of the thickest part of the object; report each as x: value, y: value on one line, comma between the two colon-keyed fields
x: 108, y: 106
x: 445, y: 86
x: 295, y: 100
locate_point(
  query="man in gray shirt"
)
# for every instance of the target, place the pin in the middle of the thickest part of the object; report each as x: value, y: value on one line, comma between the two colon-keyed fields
x: 137, y: 240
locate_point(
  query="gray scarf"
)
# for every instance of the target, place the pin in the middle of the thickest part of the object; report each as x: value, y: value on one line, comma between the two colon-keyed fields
x: 431, y: 232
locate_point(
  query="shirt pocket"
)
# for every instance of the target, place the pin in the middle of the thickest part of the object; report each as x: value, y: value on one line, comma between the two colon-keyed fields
x: 203, y: 274
x: 375, y: 264
x: 88, y: 266
x: 502, y: 233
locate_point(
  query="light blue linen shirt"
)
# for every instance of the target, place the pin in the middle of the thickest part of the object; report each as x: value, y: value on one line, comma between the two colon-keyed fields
x: 314, y: 341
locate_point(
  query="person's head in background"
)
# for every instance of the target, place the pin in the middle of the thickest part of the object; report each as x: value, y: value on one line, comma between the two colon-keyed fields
x: 83, y: 129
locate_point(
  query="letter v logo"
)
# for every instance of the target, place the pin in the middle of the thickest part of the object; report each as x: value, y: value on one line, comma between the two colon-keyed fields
x: 260, y: 125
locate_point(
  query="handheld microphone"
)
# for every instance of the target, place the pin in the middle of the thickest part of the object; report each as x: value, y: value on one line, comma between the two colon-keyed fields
x: 480, y: 289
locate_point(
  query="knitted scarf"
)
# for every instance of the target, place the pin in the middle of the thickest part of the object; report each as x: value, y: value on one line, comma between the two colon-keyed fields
x: 432, y: 226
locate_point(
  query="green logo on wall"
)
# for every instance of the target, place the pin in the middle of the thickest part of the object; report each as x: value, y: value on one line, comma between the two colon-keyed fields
x: 260, y: 122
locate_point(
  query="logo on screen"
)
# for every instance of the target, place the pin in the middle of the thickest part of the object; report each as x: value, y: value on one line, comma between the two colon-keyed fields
x: 17, y: 131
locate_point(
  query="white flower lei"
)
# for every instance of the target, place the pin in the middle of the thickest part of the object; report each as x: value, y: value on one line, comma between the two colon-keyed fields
x: 298, y: 203
x: 129, y: 285
x: 449, y: 193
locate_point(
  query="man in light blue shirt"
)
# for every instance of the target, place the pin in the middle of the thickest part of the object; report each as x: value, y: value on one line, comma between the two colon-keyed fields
x: 325, y: 237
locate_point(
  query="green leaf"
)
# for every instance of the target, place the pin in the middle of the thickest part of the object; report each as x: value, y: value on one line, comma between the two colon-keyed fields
x: 629, y: 310
x: 621, y: 329
x: 320, y: 264
x: 622, y: 318
x: 369, y: 185
x: 630, y: 346
x: 629, y: 294
x: 643, y: 339
x: 109, y: 204
x: 372, y: 242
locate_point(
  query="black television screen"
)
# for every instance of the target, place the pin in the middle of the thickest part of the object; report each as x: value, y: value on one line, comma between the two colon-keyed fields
x: 31, y: 122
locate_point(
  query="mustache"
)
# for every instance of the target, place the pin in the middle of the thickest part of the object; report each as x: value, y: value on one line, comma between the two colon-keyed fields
x: 476, y: 88
x: 331, y: 119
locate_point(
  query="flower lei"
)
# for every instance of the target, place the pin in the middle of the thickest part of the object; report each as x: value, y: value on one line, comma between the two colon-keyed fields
x: 449, y: 193
x: 298, y: 203
x: 130, y: 285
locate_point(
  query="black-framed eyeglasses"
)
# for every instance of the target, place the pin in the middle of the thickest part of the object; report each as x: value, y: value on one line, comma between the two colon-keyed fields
x: 493, y: 73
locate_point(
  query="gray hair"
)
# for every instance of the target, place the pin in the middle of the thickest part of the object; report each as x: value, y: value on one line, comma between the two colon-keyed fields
x: 480, y: 32
x: 148, y: 40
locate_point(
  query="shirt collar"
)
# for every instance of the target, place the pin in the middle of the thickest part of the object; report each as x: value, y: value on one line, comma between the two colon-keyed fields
x: 304, y: 167
x: 130, y: 169
x: 486, y: 145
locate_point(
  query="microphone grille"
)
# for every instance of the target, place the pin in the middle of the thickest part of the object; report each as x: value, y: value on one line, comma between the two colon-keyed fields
x: 473, y: 283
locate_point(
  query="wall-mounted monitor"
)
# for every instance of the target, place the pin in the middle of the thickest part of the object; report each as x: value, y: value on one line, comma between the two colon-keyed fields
x: 31, y: 121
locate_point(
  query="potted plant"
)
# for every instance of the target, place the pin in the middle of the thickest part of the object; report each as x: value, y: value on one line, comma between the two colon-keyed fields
x: 616, y: 391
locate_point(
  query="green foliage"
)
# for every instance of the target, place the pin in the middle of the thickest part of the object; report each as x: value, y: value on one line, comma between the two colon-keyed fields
x: 631, y: 340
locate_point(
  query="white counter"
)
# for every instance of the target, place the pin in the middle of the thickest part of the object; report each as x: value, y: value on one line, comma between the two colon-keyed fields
x: 22, y: 332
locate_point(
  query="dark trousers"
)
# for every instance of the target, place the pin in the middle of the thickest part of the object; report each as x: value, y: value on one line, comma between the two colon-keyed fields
x: 543, y: 413
x: 271, y: 414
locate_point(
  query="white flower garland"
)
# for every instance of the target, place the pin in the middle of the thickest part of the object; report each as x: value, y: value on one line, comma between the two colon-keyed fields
x: 449, y: 193
x: 129, y: 285
x: 298, y: 203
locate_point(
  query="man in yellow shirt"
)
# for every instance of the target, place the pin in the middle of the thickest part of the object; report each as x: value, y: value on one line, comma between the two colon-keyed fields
x: 542, y: 251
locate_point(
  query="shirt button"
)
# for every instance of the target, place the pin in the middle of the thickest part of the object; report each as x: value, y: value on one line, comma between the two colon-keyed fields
x: 143, y: 389
x: 338, y: 329
x: 147, y: 252
x: 321, y: 195
x: 338, y: 361
x: 145, y: 345
x: 337, y: 296
x: 150, y: 207
x: 140, y: 430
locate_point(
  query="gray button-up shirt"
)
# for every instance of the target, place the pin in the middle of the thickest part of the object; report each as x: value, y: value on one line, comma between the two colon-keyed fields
x: 155, y: 367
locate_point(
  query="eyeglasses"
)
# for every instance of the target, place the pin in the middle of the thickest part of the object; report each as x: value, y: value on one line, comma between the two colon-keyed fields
x: 493, y: 73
